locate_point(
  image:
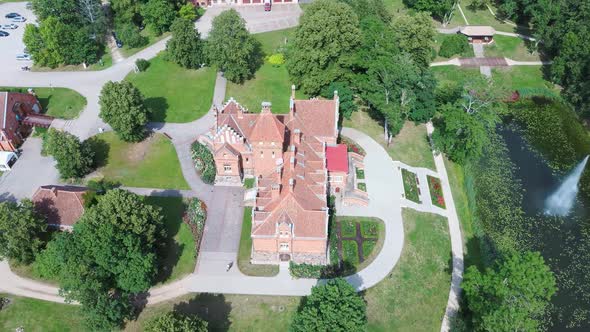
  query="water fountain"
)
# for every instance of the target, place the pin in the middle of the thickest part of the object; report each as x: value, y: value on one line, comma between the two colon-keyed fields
x: 562, y: 200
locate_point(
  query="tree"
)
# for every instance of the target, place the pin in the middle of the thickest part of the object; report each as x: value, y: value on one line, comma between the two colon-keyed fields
x: 334, y: 306
x: 415, y: 35
x: 66, y: 11
x: 188, y: 12
x: 231, y: 48
x: 158, y: 15
x: 175, y: 322
x: 20, y: 231
x: 130, y: 35
x: 74, y: 158
x: 93, y: 16
x: 122, y: 107
x: 512, y: 296
x: 438, y: 8
x: 185, y: 47
x: 345, y: 96
x: 127, y: 11
x: 319, y: 54
x: 456, y: 44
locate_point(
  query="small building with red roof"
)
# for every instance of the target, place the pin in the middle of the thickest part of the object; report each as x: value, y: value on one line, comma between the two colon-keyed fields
x: 337, y: 164
x: 61, y: 206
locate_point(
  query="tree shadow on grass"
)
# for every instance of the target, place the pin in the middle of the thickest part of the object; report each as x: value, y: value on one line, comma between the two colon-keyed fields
x: 101, y: 150
x: 158, y: 107
x: 211, y: 307
x: 168, y: 257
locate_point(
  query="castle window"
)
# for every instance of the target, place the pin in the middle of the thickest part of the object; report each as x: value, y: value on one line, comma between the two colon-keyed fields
x: 284, y: 247
x: 273, y: 154
x: 227, y: 168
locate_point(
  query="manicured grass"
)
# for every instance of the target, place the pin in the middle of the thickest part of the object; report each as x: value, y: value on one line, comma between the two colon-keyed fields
x: 522, y: 77
x: 414, y: 296
x: 228, y: 312
x: 436, y: 194
x: 271, y: 82
x: 484, y: 17
x: 179, y: 257
x: 173, y: 93
x: 348, y: 228
x: 360, y: 173
x: 152, y: 163
x: 37, y: 315
x: 510, y: 47
x: 245, y: 251
x: 455, y: 74
x: 464, y: 197
x: 410, y: 146
x: 58, y: 102
x: 249, y: 183
x: 362, y: 186
x: 350, y: 252
x: 410, y: 186
x: 369, y: 228
x: 368, y: 247
x: 129, y: 51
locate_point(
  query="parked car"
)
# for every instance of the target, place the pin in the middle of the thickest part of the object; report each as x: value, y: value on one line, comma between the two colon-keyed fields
x: 9, y: 26
x: 12, y: 15
x: 19, y: 19
x: 4, y: 33
x: 23, y: 56
x: 117, y: 41
x: 267, y: 5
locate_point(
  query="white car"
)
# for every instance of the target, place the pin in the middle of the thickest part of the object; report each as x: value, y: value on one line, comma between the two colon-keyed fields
x: 23, y: 56
x: 9, y: 26
x: 19, y: 19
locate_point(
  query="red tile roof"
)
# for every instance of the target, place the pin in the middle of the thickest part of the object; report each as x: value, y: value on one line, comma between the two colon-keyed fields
x: 60, y: 205
x: 337, y: 158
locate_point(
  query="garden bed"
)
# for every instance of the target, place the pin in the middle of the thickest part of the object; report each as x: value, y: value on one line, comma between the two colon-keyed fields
x: 436, y: 194
x: 362, y: 186
x: 204, y: 162
x: 410, y: 186
x: 360, y: 173
x: 352, y: 146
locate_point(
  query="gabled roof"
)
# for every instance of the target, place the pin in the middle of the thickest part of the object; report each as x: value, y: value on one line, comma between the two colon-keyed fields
x: 337, y: 158
x: 267, y: 128
x: 477, y: 30
x: 60, y: 205
x: 318, y: 116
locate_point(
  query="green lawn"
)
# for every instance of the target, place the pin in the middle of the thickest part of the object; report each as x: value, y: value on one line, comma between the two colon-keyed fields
x: 106, y: 59
x: 255, y: 270
x: 372, y: 228
x: 369, y: 228
x: 347, y: 227
x: 484, y: 17
x: 249, y: 183
x: 179, y: 258
x: 414, y: 296
x: 61, y: 103
x: 454, y: 73
x: 152, y: 163
x: 35, y: 315
x: 350, y: 252
x: 271, y: 82
x: 173, y: 93
x: 129, y: 51
x: 510, y: 47
x: 522, y: 77
x: 409, y: 146
x: 410, y: 186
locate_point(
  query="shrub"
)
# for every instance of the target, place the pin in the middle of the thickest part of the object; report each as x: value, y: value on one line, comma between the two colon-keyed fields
x: 352, y: 146
x: 204, y: 162
x: 4, y: 302
x: 142, y: 64
x: 188, y: 12
x: 130, y: 35
x: 196, y: 214
x: 74, y: 158
x: 452, y: 45
x: 306, y: 270
x: 276, y: 59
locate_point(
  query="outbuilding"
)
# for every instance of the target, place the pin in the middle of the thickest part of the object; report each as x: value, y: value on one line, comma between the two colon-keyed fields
x: 478, y: 33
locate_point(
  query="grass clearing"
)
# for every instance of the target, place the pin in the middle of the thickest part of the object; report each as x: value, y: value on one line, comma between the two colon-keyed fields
x: 245, y: 251
x: 173, y: 93
x: 271, y: 82
x: 522, y: 77
x: 36, y: 315
x: 368, y: 247
x: 152, y: 163
x: 60, y: 103
x: 369, y: 229
x: 484, y: 17
x: 410, y: 146
x: 510, y: 47
x: 410, y: 186
x: 180, y: 255
x: 414, y: 296
x: 152, y: 39
x: 458, y: 75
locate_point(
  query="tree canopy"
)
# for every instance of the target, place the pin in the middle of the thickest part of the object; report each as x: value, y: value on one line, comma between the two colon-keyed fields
x: 185, y: 47
x: 176, y: 322
x: 438, y: 8
x: 74, y: 158
x: 158, y: 15
x: 232, y: 49
x: 334, y: 306
x: 122, y: 107
x: 513, y: 296
x: 327, y: 34
x: 345, y: 97
x: 415, y: 35
x: 20, y: 231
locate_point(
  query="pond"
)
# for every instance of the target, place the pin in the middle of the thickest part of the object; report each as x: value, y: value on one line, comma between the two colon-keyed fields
x: 559, y: 239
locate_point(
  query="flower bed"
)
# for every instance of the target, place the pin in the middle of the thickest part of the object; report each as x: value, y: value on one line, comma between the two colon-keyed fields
x: 204, y: 162
x: 410, y: 186
x: 362, y: 186
x: 352, y: 146
x: 350, y: 252
x: 195, y: 218
x: 436, y: 194
x: 360, y: 173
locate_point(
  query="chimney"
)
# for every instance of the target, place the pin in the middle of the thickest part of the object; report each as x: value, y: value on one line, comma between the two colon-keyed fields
x: 296, y: 136
x: 336, y: 112
x: 291, y: 184
x: 293, y: 91
x: 275, y: 191
x: 240, y: 112
x: 266, y: 107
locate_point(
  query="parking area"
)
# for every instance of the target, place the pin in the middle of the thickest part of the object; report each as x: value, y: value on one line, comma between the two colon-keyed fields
x: 13, y: 44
